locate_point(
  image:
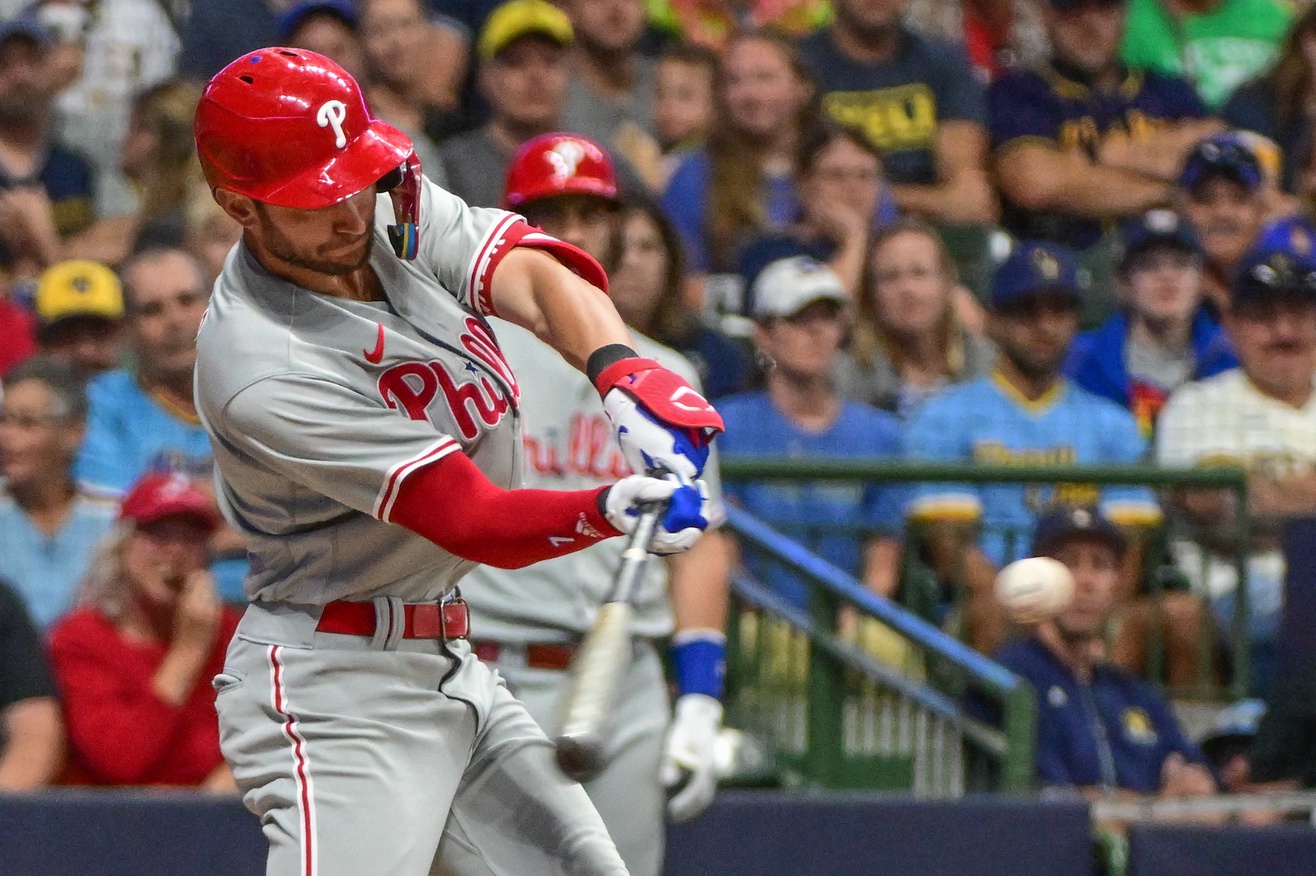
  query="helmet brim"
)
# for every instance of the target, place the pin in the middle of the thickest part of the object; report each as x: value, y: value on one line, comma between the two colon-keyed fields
x: 374, y: 152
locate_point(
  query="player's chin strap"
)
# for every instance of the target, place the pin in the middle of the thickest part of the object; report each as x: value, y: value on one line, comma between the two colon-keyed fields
x: 403, y: 187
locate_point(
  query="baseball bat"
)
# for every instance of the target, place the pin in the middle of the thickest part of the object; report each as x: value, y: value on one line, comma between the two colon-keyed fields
x: 602, y: 661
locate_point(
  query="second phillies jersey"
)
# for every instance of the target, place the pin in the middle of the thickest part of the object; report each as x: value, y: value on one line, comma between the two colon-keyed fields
x: 570, y: 445
x: 320, y: 407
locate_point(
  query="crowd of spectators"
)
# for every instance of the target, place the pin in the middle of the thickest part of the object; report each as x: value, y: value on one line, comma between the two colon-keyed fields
x: 1020, y: 233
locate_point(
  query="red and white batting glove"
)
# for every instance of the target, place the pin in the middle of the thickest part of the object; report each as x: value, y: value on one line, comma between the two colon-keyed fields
x: 662, y: 422
x: 684, y: 519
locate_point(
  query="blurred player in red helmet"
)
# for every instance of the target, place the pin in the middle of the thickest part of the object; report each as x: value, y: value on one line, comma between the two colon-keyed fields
x: 366, y: 428
x: 566, y: 185
x: 530, y: 621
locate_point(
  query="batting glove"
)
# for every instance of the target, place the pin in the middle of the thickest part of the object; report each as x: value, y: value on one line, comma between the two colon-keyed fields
x: 662, y: 422
x: 684, y: 519
x: 689, y: 764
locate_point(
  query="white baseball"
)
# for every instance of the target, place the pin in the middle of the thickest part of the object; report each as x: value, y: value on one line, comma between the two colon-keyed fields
x: 1034, y: 589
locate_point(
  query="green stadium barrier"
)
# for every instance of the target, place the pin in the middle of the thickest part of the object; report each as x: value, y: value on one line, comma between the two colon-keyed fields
x: 921, y: 589
x: 855, y: 691
x: 861, y: 709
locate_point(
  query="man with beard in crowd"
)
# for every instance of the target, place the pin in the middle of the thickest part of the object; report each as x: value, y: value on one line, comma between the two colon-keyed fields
x: 1024, y: 413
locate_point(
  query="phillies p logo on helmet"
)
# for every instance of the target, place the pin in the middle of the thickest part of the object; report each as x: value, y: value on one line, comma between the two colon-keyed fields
x: 332, y: 114
x: 565, y: 158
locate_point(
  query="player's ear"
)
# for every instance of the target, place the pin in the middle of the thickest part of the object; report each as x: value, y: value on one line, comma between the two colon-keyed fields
x: 241, y: 208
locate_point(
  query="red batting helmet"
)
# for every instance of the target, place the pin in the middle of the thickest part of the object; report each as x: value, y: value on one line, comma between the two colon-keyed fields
x: 559, y: 164
x: 291, y: 128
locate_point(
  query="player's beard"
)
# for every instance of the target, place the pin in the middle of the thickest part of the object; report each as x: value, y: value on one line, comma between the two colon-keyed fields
x: 282, y: 247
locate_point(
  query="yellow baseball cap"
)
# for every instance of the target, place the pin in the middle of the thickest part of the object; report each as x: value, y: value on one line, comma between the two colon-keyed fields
x: 519, y: 18
x: 78, y: 288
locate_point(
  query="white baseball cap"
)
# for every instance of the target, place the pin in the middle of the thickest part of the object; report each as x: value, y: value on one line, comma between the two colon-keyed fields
x: 787, y: 286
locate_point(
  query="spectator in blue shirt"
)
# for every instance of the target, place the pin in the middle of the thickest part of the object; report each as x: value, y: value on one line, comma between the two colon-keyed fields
x: 145, y: 420
x: 217, y: 31
x: 1162, y: 338
x: 1024, y: 413
x: 1099, y: 729
x: 801, y: 313
x: 741, y: 184
x: 49, y: 523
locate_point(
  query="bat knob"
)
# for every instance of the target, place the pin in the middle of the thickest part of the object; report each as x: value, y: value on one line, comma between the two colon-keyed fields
x: 577, y: 760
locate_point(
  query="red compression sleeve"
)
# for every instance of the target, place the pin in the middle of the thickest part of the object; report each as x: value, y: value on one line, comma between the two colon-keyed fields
x: 453, y: 504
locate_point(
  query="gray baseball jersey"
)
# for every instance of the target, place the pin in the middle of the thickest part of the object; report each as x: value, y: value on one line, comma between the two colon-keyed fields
x: 569, y: 445
x: 365, y: 754
x: 320, y: 407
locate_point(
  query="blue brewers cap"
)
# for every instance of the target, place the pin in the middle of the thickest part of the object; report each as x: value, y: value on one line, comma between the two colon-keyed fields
x: 1236, y: 723
x: 1156, y: 228
x: 1034, y: 267
x: 1221, y: 155
x: 1059, y: 525
x: 343, y: 10
x: 28, y: 27
x: 1282, y: 263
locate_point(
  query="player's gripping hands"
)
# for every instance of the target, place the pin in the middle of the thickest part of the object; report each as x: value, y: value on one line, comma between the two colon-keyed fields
x: 662, y: 422
x: 684, y: 518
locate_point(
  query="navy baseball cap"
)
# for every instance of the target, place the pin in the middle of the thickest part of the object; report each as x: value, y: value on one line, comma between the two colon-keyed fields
x: 1282, y: 263
x: 1059, y: 525
x: 1156, y: 228
x: 1221, y: 155
x: 28, y: 27
x: 1032, y: 267
x: 292, y: 19
x: 1236, y: 723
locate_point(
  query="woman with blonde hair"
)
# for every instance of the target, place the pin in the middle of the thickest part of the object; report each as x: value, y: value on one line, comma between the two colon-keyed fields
x: 910, y: 340
x: 159, y: 159
x: 741, y: 183
x: 135, y: 659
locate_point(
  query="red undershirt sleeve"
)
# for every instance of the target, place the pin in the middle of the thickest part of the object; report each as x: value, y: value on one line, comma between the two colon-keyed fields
x: 451, y: 503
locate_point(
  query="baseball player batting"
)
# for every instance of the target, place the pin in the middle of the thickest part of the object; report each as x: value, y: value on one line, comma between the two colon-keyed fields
x: 366, y: 429
x: 529, y: 622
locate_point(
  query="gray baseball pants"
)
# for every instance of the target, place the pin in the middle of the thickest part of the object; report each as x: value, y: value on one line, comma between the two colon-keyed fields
x: 362, y: 757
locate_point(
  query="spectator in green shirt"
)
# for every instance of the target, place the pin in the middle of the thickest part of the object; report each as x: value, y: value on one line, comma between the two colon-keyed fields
x: 1215, y: 44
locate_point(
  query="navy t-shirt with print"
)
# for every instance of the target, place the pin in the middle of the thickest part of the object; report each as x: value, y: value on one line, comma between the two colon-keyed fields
x: 898, y: 104
x: 70, y: 184
x: 1044, y: 106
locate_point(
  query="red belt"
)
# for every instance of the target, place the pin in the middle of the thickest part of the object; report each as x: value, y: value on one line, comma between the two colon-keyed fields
x: 541, y: 655
x: 424, y: 620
